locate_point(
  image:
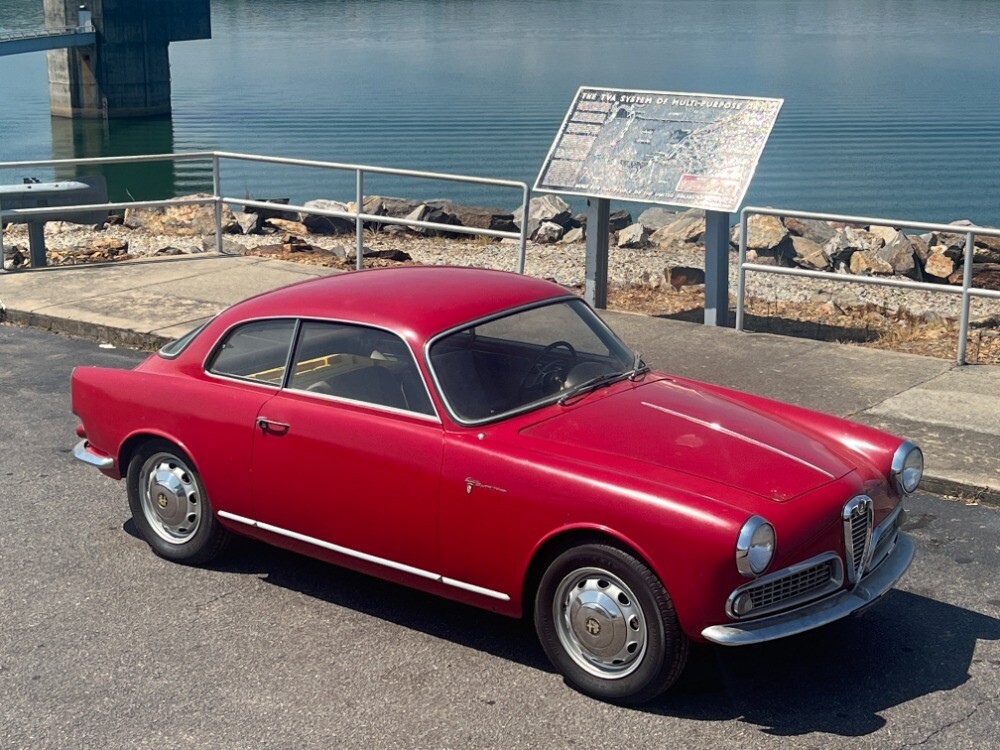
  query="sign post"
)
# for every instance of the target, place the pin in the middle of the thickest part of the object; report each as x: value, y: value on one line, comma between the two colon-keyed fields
x: 595, y: 286
x: 665, y: 148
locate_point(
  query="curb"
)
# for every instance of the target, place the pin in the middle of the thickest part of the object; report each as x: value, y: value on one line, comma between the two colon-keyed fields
x: 94, y: 331
x: 124, y: 337
x: 988, y: 496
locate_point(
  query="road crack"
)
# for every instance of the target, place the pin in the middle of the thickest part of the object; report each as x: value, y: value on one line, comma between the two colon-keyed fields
x: 949, y: 725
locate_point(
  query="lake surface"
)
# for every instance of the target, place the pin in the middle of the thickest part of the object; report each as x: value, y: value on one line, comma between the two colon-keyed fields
x: 892, y: 107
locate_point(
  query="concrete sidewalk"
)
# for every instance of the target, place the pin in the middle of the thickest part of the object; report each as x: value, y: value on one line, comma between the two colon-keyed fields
x: 952, y: 412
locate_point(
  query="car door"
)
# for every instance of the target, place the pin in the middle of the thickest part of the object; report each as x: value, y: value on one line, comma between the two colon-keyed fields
x: 349, y: 451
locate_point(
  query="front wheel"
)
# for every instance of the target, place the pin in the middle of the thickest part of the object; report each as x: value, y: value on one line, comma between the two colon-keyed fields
x: 170, y: 506
x: 608, y: 625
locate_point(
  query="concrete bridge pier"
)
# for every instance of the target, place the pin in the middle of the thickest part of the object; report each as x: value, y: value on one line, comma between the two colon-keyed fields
x: 127, y: 72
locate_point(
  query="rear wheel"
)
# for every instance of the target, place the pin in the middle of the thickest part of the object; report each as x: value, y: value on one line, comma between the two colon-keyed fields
x: 170, y: 506
x: 608, y: 625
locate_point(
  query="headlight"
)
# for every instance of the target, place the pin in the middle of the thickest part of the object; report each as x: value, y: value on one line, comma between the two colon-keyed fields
x: 907, y: 467
x: 754, y: 547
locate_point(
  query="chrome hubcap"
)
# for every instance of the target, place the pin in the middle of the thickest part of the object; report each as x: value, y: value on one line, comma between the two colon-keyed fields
x: 170, y: 499
x: 600, y: 623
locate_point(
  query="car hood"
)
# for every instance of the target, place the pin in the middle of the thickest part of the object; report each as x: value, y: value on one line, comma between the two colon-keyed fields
x: 686, y: 429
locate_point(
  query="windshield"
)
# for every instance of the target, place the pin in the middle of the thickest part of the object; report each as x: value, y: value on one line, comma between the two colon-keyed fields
x: 524, y: 359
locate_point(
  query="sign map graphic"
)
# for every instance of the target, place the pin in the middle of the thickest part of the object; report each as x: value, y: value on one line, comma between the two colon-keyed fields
x: 692, y: 150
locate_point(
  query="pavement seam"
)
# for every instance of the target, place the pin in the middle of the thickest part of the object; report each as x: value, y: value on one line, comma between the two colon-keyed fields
x: 915, y: 386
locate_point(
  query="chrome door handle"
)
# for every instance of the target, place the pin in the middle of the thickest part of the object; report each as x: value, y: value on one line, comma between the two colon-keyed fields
x: 269, y: 425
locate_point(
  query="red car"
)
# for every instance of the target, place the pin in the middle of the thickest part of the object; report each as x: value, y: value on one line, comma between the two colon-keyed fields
x: 484, y: 436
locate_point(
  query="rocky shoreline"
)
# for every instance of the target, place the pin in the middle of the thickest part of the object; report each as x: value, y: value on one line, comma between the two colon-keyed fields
x: 660, y: 250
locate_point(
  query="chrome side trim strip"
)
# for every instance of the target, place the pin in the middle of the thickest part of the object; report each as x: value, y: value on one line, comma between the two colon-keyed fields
x: 867, y: 592
x: 475, y: 589
x: 739, y: 436
x: 82, y: 452
x: 239, y: 519
x: 366, y: 557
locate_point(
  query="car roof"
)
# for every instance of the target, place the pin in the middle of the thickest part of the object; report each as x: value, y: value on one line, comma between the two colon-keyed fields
x: 414, y: 301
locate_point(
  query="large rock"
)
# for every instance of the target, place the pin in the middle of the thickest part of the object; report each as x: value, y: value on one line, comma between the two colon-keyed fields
x: 867, y: 263
x: 984, y: 276
x: 986, y: 249
x: 326, y: 224
x: 681, y: 276
x: 634, y: 235
x: 548, y: 233
x: 818, y: 231
x: 849, y: 240
x: 481, y: 217
x: 900, y: 254
x: 396, y: 207
x: 809, y: 254
x: 618, y: 220
x: 939, y: 265
x: 687, y: 227
x: 292, y: 227
x: 248, y: 223
x: 656, y: 218
x: 763, y: 232
x: 424, y: 212
x: 884, y: 233
x: 185, y: 221
x: 573, y: 235
x: 268, y: 213
x: 544, y: 208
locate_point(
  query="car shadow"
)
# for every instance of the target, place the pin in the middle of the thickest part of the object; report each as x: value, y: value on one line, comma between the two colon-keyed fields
x: 836, y: 679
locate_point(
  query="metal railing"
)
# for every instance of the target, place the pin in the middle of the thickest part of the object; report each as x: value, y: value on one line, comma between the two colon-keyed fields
x: 966, y: 290
x: 218, y: 200
x: 17, y: 36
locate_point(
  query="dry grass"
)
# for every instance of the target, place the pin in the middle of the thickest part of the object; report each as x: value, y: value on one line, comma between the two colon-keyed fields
x: 867, y: 325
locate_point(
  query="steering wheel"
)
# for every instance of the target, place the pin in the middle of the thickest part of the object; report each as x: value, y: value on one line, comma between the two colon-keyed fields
x: 545, y: 368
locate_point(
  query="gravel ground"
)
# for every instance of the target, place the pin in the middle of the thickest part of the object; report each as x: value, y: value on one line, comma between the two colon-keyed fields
x: 563, y: 263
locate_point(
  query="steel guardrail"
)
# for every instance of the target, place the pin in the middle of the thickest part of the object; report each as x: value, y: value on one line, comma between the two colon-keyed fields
x: 217, y: 199
x: 966, y: 290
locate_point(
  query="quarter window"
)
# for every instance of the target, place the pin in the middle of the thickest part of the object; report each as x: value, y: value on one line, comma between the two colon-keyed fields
x: 255, y: 351
x: 360, y: 364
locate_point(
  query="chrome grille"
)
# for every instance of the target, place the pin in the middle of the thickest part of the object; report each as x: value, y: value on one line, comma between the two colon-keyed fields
x: 884, y: 538
x: 858, y: 516
x: 787, y: 588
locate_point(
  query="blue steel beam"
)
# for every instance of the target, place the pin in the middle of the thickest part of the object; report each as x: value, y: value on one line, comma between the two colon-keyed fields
x: 43, y: 42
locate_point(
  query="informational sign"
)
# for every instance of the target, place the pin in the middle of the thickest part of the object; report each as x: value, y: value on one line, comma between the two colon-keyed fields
x: 693, y: 150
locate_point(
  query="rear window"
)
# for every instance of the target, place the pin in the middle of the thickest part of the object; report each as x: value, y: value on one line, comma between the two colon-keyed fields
x: 255, y: 351
x: 175, y: 347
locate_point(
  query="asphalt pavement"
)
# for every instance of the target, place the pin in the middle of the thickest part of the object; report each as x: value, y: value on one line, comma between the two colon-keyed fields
x: 952, y: 412
x: 102, y: 644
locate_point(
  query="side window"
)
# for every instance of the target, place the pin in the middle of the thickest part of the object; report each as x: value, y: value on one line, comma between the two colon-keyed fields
x: 255, y: 351
x: 358, y: 363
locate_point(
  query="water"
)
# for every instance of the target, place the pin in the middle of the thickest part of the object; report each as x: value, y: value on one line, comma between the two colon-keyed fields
x: 892, y: 107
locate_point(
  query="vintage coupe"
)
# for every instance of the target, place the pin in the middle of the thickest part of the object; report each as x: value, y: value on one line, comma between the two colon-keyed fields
x: 484, y: 436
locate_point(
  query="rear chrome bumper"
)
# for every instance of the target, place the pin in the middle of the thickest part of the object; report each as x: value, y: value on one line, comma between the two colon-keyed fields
x: 83, y: 452
x: 823, y: 612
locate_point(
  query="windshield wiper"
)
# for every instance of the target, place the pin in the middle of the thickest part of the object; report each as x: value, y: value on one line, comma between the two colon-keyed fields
x: 639, y: 368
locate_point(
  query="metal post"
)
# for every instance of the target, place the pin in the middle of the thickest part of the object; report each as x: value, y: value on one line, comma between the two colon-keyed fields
x: 716, y: 268
x: 741, y: 274
x: 3, y: 262
x: 358, y: 223
x: 522, y: 258
x: 217, y: 188
x: 595, y: 288
x: 963, y: 322
x: 36, y: 243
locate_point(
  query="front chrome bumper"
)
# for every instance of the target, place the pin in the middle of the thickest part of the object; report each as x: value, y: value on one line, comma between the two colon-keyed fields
x: 823, y: 612
x: 82, y: 452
